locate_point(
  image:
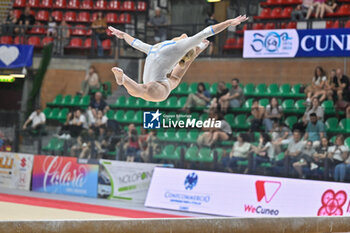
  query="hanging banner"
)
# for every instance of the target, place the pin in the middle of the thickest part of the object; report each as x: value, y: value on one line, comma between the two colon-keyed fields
x: 239, y: 195
x: 64, y: 175
x: 296, y: 43
x: 16, y: 56
x: 15, y: 170
x: 125, y: 180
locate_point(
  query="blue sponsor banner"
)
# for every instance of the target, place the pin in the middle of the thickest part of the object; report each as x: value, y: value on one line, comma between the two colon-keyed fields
x: 16, y: 56
x: 296, y: 43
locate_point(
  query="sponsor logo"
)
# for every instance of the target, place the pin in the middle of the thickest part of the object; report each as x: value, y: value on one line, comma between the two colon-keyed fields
x: 23, y: 162
x: 151, y: 120
x: 6, y: 162
x: 332, y: 203
x: 135, y: 177
x: 191, y: 181
x: 323, y: 43
x: 271, y: 42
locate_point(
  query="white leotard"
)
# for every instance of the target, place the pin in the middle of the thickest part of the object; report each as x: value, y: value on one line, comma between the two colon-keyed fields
x: 163, y: 57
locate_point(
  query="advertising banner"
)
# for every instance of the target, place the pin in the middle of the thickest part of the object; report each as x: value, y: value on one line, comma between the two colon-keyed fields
x: 16, y: 56
x: 296, y: 43
x: 15, y: 170
x: 125, y: 180
x: 64, y: 175
x: 246, y: 195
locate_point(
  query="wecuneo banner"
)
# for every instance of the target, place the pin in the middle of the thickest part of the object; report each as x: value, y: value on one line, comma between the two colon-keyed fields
x: 16, y: 56
x: 124, y: 180
x: 296, y: 43
x: 64, y: 175
x: 15, y: 170
x: 246, y: 195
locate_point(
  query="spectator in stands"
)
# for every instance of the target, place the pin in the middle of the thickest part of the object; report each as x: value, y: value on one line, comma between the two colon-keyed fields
x: 85, y: 146
x: 148, y: 141
x: 292, y: 154
x: 315, y: 130
x: 26, y: 20
x: 234, y: 98
x: 304, y: 159
x: 52, y: 27
x: 258, y: 113
x: 313, y: 108
x: 132, y: 146
x: 319, y: 157
x: 199, y: 99
x: 99, y: 121
x: 9, y: 24
x: 63, y: 38
x: 316, y: 7
x: 329, y: 7
x: 339, y: 154
x: 340, y: 86
x: 74, y: 124
x: 239, y: 152
x: 99, y: 32
x: 273, y: 113
x: 91, y: 81
x: 208, y: 22
x: 281, y: 135
x: 300, y: 11
x: 264, y: 152
x: 214, y: 135
x: 38, y: 120
x: 97, y: 103
x: 221, y: 91
x: 159, y: 23
x: 317, y: 86
x: 108, y: 141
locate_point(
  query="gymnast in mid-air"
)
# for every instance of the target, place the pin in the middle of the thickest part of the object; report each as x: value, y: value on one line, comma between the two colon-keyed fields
x: 166, y: 62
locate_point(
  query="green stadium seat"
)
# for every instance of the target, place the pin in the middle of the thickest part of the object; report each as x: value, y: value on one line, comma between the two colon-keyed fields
x: 249, y: 89
x: 248, y: 104
x: 193, y: 88
x: 181, y: 102
x: 290, y: 121
x: 66, y: 100
x: 168, y: 135
x: 203, y: 116
x: 161, y: 104
x: 180, y: 135
x: 195, y: 115
x: 47, y: 112
x: 84, y: 102
x: 241, y: 122
x: 331, y: 125
x: 285, y: 90
x: 332, y: 140
x: 62, y: 115
x: 177, y: 153
x: 296, y: 91
x: 181, y: 89
x: 120, y: 102
x: 140, y: 103
x: 229, y: 86
x: 344, y: 125
x: 128, y: 117
x: 138, y: 117
x: 273, y: 90
x: 300, y: 107
x: 328, y: 107
x: 166, y: 152
x: 51, y: 144
x: 260, y: 90
x: 107, y: 90
x: 56, y: 102
x: 264, y: 102
x: 288, y: 106
x: 192, y: 154
x: 230, y: 118
x: 347, y: 142
x: 119, y: 115
x: 150, y: 104
x: 205, y: 155
x: 242, y: 163
x: 192, y: 136
x: 280, y: 156
x: 171, y: 103
x: 213, y: 89
x: 75, y: 101
x: 220, y: 152
x: 59, y: 146
x: 130, y: 102
x: 110, y: 114
x: 54, y: 114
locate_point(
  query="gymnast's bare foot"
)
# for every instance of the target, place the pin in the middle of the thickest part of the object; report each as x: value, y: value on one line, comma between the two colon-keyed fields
x: 119, y: 75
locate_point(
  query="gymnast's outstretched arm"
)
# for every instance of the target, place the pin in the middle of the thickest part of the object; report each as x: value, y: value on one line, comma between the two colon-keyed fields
x: 133, y: 42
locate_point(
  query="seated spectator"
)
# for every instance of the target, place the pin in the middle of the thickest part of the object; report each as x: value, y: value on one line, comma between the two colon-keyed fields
x: 339, y: 155
x: 314, y: 107
x: 273, y: 113
x: 263, y: 152
x: 75, y: 123
x: 293, y: 152
x: 9, y: 24
x: 300, y: 11
x: 214, y: 135
x: 199, y: 99
x: 258, y: 113
x: 232, y: 99
x: 132, y: 146
x: 159, y: 23
x: 319, y: 157
x: 316, y: 7
x: 91, y: 81
x: 221, y: 91
x: 99, y: 121
x: 38, y: 120
x: 85, y: 147
x: 305, y: 159
x: 99, y: 32
x: 52, y: 27
x: 108, y: 140
x: 340, y: 86
x: 63, y: 38
x: 281, y: 135
x: 240, y: 151
x: 26, y: 20
x: 317, y: 86
x: 97, y: 103
x: 315, y: 130
x: 329, y: 7
x: 148, y: 141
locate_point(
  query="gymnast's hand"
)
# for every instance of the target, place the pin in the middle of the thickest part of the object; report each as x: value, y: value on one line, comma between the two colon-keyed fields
x: 238, y: 20
x: 116, y: 32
